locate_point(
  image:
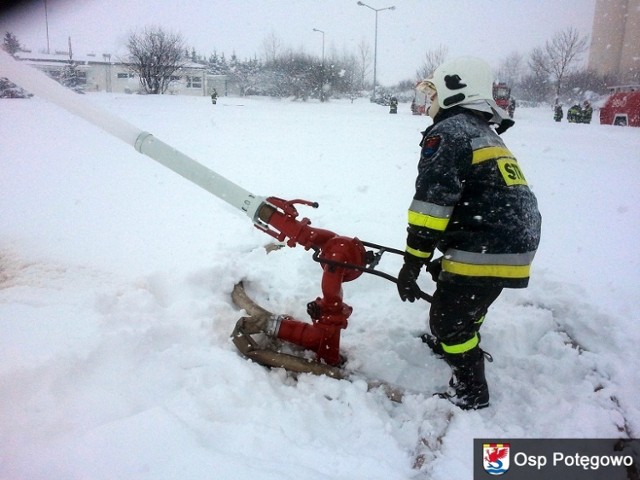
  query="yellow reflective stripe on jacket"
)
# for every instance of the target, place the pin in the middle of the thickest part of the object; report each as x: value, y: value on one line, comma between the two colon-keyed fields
x: 429, y: 215
x: 427, y: 221
x: 471, y: 270
x: 461, y: 347
x: 490, y: 153
x: 417, y: 253
x: 474, y: 264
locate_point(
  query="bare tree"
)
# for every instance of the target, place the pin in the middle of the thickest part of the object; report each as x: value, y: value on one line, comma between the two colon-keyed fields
x: 349, y: 76
x: 433, y: 59
x: 511, y: 69
x: 558, y: 56
x: 272, y: 46
x: 364, y: 61
x: 156, y: 55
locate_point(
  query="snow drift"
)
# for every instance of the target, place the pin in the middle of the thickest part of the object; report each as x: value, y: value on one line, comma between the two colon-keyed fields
x: 116, y: 274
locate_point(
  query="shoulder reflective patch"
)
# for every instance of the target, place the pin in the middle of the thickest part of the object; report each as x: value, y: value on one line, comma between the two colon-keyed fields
x: 430, y: 145
x: 511, y: 172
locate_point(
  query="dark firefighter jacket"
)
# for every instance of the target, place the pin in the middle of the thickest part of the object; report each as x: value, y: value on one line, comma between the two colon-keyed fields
x: 472, y: 202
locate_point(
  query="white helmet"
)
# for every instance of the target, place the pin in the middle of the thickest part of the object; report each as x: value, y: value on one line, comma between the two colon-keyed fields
x: 463, y: 80
x: 468, y: 82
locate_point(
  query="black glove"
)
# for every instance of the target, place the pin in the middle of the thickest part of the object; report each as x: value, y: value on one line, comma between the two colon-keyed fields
x: 407, y: 287
x: 434, y: 268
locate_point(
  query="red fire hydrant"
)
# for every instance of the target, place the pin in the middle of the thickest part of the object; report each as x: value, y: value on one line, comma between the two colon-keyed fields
x: 329, y: 314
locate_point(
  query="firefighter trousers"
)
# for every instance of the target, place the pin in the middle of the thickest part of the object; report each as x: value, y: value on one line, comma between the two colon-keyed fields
x: 457, y: 312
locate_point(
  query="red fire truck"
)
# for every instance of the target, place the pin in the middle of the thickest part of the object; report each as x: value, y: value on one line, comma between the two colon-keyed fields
x: 420, y: 103
x: 622, y: 107
x: 502, y: 96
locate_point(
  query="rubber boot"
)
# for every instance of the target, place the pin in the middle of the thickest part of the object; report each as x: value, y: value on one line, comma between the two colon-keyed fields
x: 468, y: 385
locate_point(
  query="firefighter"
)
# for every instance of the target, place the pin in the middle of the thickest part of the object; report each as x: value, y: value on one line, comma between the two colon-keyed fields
x: 574, y: 114
x: 393, y: 105
x: 557, y: 112
x: 587, y: 112
x: 473, y: 204
x: 512, y: 107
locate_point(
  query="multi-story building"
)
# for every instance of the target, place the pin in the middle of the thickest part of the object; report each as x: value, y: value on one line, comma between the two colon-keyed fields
x: 615, y: 40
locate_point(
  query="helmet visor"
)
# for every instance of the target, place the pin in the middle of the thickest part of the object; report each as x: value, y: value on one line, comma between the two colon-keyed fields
x: 429, y: 89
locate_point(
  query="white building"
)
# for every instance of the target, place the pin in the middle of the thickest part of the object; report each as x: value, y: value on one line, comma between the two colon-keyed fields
x: 105, y: 73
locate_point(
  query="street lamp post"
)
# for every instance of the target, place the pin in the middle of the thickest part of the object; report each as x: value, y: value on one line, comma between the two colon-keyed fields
x: 46, y: 22
x: 375, y: 47
x: 322, y: 72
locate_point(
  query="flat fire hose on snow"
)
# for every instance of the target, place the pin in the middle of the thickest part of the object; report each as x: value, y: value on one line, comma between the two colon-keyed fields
x: 343, y: 259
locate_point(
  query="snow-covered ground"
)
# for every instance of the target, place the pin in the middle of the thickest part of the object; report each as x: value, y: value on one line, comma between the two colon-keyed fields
x: 115, y: 310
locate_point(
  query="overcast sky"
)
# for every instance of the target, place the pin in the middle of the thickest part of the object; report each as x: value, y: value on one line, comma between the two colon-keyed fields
x: 491, y: 29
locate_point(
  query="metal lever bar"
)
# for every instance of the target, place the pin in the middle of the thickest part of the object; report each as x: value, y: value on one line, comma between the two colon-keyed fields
x: 370, y: 266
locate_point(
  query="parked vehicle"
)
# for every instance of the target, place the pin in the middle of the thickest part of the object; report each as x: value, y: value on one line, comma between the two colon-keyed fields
x: 622, y: 107
x: 502, y: 96
x: 420, y: 103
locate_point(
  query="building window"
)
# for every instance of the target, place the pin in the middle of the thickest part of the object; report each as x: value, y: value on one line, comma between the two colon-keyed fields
x: 125, y: 75
x: 194, y: 82
x: 82, y: 77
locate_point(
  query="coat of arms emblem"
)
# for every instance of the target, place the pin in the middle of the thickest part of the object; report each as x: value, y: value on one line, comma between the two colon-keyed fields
x: 495, y: 458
